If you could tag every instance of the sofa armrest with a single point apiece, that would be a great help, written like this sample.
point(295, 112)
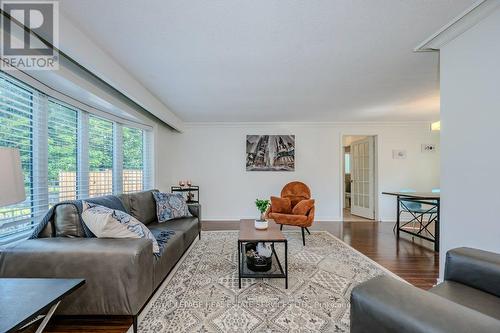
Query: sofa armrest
point(118, 272)
point(384, 304)
point(195, 210)
point(475, 268)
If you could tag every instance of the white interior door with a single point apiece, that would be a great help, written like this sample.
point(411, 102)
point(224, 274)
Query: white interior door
point(362, 180)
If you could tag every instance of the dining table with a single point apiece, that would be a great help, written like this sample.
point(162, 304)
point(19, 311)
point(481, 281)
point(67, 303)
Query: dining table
point(424, 218)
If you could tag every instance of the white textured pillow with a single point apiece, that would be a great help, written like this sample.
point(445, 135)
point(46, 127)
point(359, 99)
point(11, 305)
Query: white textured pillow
point(105, 222)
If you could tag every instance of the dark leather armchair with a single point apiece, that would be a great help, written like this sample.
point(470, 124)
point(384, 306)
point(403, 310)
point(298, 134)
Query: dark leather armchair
point(467, 301)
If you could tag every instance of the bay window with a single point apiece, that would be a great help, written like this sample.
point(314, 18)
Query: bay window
point(66, 153)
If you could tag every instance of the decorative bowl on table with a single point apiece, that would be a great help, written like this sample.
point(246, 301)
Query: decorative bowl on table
point(256, 262)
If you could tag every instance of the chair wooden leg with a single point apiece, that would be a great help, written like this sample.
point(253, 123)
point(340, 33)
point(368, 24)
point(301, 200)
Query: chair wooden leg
point(303, 237)
point(308, 232)
point(281, 226)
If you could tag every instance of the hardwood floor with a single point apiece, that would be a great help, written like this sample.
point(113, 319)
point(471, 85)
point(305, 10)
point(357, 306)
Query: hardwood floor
point(348, 217)
point(414, 261)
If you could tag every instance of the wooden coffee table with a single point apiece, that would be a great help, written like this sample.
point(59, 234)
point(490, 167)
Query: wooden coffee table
point(272, 235)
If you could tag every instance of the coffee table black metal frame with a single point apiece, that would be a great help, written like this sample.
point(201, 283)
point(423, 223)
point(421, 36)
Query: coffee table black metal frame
point(242, 261)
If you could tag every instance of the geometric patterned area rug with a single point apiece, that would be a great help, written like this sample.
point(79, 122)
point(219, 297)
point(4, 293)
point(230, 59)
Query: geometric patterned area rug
point(201, 294)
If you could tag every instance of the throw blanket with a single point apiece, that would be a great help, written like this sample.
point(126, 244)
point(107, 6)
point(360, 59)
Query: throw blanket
point(162, 237)
point(50, 214)
point(109, 201)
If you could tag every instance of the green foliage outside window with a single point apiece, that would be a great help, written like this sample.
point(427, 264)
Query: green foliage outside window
point(62, 139)
point(132, 149)
point(100, 144)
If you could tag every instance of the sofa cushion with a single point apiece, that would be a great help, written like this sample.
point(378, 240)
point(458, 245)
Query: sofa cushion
point(67, 221)
point(170, 206)
point(281, 205)
point(172, 252)
point(472, 298)
point(475, 268)
point(108, 223)
point(186, 231)
point(140, 205)
point(303, 207)
point(187, 227)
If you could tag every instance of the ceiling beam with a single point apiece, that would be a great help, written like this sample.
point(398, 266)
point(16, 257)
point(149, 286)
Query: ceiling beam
point(469, 18)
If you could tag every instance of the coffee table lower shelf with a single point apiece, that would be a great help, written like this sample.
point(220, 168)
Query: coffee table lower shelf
point(245, 272)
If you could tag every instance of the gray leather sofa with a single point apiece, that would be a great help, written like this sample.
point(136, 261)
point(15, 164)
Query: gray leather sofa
point(467, 301)
point(121, 274)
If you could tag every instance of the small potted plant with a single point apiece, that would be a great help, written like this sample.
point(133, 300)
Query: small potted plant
point(262, 206)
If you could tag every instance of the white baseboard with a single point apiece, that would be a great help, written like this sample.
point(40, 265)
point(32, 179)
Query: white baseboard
point(317, 219)
point(225, 219)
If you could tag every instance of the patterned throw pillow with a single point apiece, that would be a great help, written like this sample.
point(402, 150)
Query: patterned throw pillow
point(170, 206)
point(105, 222)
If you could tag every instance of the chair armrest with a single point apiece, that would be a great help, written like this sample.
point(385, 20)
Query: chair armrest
point(195, 210)
point(475, 268)
point(118, 272)
point(384, 304)
point(310, 215)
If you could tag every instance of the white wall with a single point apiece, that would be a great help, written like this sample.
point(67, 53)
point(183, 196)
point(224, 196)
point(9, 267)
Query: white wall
point(213, 157)
point(470, 134)
point(164, 161)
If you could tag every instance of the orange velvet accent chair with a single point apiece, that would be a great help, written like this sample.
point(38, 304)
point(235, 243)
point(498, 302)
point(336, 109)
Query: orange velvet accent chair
point(296, 192)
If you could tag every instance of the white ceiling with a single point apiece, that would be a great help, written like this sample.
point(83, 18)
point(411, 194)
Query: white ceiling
point(271, 60)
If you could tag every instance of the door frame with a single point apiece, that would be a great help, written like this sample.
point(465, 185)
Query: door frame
point(375, 172)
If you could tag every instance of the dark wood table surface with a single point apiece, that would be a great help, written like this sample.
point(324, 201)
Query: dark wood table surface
point(248, 233)
point(22, 300)
point(416, 195)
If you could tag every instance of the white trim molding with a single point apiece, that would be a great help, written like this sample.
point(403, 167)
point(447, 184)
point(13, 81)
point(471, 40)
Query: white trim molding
point(304, 124)
point(469, 18)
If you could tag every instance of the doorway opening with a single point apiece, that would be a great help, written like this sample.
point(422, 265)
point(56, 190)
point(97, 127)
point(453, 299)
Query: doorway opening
point(359, 160)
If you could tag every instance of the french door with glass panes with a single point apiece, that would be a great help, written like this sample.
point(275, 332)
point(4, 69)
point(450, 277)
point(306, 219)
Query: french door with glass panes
point(362, 187)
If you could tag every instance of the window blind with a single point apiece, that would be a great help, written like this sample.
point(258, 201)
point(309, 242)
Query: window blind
point(62, 152)
point(17, 103)
point(133, 160)
point(66, 154)
point(100, 177)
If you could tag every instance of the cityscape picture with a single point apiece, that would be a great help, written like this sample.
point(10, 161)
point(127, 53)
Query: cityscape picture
point(270, 153)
